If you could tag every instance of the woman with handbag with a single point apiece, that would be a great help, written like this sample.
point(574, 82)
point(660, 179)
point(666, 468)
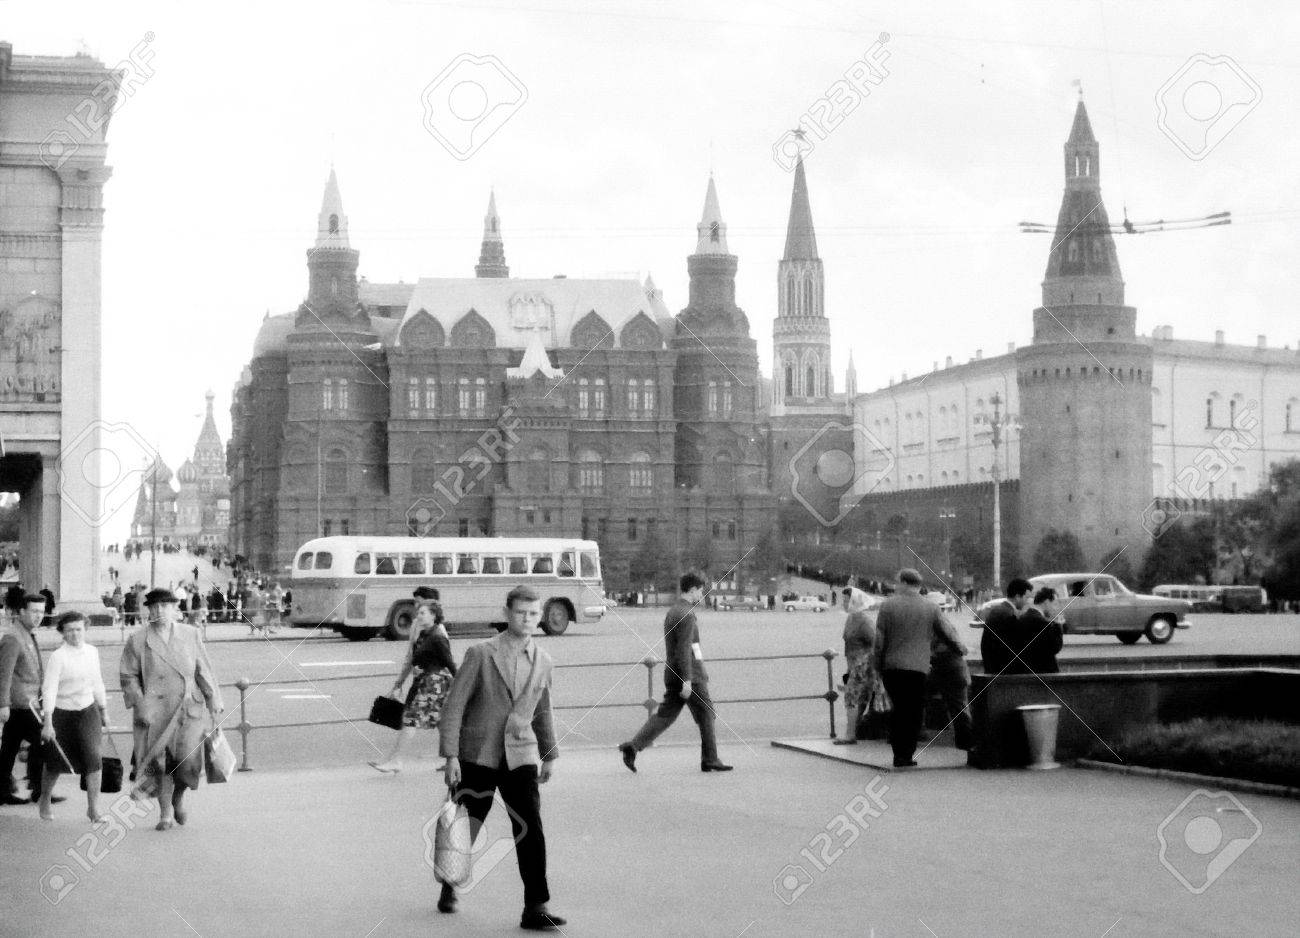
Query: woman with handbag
point(429, 658)
point(75, 713)
point(864, 691)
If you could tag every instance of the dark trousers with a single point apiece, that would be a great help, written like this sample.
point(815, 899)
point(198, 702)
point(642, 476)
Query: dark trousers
point(22, 725)
point(950, 680)
point(701, 707)
point(518, 789)
point(907, 693)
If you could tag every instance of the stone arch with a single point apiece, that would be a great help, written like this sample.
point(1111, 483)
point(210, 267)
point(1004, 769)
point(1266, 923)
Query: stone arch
point(591, 332)
point(423, 331)
point(641, 332)
point(473, 331)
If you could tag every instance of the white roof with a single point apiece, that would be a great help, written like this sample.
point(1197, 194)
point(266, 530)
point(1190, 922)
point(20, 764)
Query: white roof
point(517, 307)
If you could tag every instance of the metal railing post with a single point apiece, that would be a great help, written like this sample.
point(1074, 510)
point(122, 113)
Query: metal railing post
point(650, 701)
point(831, 696)
point(244, 726)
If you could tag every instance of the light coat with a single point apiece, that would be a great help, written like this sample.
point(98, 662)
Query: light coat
point(484, 722)
point(171, 687)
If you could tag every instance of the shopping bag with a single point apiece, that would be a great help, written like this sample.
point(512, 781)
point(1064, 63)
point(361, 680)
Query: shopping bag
point(218, 758)
point(387, 712)
point(453, 847)
point(110, 770)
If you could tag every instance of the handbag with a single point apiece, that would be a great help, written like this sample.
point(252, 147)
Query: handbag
point(218, 758)
point(110, 770)
point(453, 847)
point(386, 711)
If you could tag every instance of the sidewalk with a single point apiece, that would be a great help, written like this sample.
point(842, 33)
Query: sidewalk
point(788, 844)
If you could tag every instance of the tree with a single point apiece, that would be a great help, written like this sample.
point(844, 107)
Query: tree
point(654, 564)
point(1118, 563)
point(1184, 553)
point(1283, 574)
point(766, 559)
point(1058, 552)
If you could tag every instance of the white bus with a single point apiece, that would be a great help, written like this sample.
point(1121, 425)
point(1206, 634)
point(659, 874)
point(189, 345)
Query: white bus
point(362, 586)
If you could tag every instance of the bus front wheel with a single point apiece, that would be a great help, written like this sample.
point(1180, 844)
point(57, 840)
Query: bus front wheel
point(399, 623)
point(556, 618)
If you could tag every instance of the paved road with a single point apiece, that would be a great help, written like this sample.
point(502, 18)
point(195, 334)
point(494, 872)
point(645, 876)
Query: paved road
point(301, 676)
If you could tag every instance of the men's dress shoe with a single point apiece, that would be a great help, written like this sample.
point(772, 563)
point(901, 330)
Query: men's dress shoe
point(629, 755)
point(539, 919)
point(715, 767)
point(15, 800)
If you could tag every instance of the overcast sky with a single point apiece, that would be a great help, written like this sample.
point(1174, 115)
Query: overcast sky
point(221, 158)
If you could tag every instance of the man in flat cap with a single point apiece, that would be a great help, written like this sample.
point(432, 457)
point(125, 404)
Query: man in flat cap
point(907, 626)
point(168, 681)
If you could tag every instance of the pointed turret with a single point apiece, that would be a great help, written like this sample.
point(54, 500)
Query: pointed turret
point(800, 239)
point(1082, 266)
point(492, 255)
point(712, 229)
point(332, 227)
point(851, 379)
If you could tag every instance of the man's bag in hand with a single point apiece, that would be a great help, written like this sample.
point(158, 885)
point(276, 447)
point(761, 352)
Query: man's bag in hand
point(453, 847)
point(387, 712)
point(218, 758)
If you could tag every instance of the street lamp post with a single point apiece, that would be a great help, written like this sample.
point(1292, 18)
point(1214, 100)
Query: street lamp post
point(996, 423)
point(946, 514)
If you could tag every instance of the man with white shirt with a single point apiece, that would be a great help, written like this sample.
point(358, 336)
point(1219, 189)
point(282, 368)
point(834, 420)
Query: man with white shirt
point(498, 733)
point(686, 683)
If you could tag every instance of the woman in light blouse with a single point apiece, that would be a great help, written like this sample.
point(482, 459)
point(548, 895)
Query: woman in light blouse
point(76, 712)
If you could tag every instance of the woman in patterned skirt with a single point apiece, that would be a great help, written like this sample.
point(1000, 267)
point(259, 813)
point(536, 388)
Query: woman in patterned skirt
point(428, 657)
point(864, 691)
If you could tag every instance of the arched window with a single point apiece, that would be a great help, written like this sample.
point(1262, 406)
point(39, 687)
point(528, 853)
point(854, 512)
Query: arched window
point(480, 397)
point(1072, 251)
point(1209, 411)
point(591, 473)
point(810, 382)
point(431, 395)
point(633, 396)
point(413, 396)
point(464, 400)
point(726, 398)
point(584, 397)
point(343, 394)
point(789, 381)
point(327, 394)
point(724, 474)
point(789, 297)
point(538, 471)
point(334, 224)
point(598, 398)
point(713, 397)
point(715, 232)
point(648, 397)
point(642, 474)
point(336, 472)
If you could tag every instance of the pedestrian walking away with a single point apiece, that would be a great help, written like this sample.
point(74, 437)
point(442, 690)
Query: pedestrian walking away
point(686, 682)
point(429, 659)
point(498, 733)
point(168, 681)
point(865, 700)
point(906, 628)
point(75, 714)
point(950, 679)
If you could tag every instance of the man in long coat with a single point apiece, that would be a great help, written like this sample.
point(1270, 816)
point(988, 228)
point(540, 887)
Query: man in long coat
point(168, 681)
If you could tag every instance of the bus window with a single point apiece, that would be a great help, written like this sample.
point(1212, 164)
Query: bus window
point(589, 566)
point(543, 563)
point(304, 561)
point(518, 564)
point(566, 564)
point(385, 564)
point(324, 560)
point(466, 563)
point(493, 565)
point(440, 564)
point(362, 564)
point(413, 564)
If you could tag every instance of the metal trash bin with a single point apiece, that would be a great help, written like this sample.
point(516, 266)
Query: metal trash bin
point(1040, 731)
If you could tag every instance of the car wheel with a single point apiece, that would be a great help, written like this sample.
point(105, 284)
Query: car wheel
point(1129, 638)
point(789, 608)
point(1159, 631)
point(555, 618)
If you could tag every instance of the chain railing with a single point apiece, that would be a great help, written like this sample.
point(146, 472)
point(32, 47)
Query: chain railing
point(245, 726)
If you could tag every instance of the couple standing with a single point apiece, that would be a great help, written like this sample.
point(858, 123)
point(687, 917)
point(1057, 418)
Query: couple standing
point(1021, 634)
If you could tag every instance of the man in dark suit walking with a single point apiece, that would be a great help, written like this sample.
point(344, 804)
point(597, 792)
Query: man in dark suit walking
point(906, 628)
point(686, 683)
point(498, 733)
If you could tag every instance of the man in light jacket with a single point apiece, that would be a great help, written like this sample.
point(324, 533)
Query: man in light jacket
point(906, 627)
point(498, 733)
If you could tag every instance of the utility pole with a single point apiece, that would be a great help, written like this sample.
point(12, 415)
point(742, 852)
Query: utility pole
point(996, 423)
point(153, 523)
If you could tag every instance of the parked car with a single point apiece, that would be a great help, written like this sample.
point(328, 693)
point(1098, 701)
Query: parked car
point(806, 604)
point(1099, 604)
point(741, 602)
